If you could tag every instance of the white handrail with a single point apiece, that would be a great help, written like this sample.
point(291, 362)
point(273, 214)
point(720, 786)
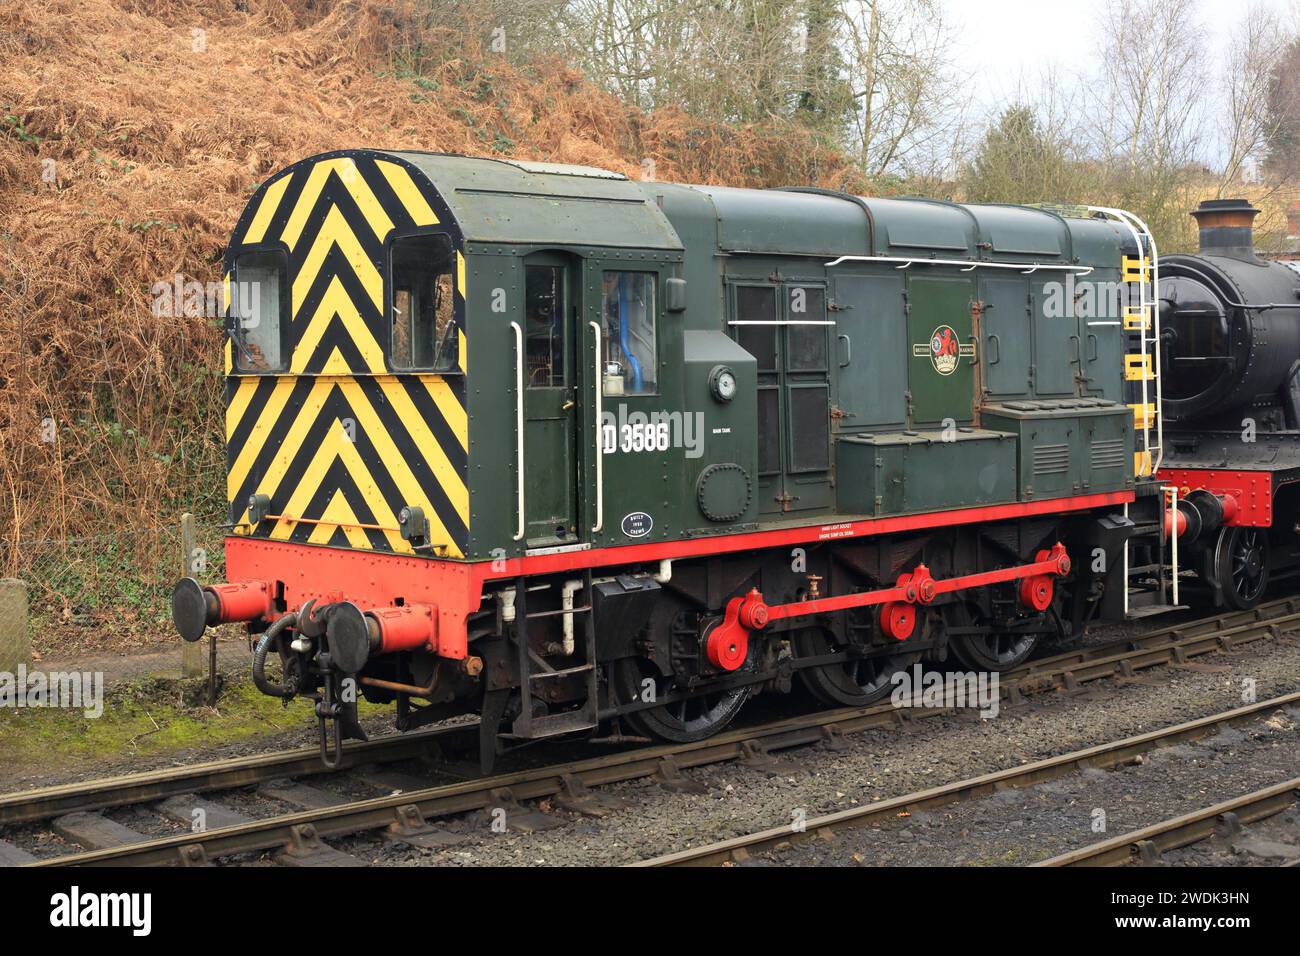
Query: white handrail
point(968, 265)
point(1150, 310)
point(519, 426)
point(1173, 533)
point(600, 434)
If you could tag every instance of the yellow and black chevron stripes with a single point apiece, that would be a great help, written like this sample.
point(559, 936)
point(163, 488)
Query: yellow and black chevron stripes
point(336, 304)
point(314, 444)
point(341, 444)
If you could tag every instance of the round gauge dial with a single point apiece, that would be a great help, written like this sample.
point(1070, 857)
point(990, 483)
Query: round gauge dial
point(722, 382)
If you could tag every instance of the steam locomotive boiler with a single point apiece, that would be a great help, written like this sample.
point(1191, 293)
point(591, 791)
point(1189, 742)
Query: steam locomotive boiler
point(1230, 350)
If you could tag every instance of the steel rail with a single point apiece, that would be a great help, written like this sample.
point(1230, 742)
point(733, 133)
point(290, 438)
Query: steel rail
point(1173, 644)
point(1100, 756)
point(27, 806)
point(1180, 831)
point(541, 782)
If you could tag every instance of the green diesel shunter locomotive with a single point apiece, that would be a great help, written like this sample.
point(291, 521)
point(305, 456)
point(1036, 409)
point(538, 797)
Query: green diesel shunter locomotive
point(568, 450)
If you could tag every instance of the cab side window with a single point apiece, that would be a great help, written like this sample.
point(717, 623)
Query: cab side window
point(628, 307)
point(423, 308)
point(544, 325)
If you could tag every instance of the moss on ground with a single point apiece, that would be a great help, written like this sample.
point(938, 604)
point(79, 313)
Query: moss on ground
point(149, 716)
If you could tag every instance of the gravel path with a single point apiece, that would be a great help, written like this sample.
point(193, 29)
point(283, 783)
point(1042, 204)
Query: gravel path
point(1034, 823)
point(880, 764)
point(1269, 842)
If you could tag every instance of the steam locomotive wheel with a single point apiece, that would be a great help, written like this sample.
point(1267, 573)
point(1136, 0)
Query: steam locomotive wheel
point(683, 721)
point(1241, 565)
point(852, 683)
point(994, 650)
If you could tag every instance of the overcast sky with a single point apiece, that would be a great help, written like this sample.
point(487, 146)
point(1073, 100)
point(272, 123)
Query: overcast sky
point(1004, 42)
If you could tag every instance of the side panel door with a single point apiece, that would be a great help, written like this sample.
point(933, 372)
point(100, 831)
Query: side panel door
point(787, 331)
point(871, 338)
point(1005, 334)
point(1101, 352)
point(755, 329)
point(941, 361)
point(1053, 344)
point(805, 373)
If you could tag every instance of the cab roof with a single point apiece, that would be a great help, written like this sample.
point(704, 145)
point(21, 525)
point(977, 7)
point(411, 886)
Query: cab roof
point(516, 202)
point(507, 201)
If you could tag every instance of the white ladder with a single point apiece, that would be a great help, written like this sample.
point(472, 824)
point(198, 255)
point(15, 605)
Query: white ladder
point(1142, 275)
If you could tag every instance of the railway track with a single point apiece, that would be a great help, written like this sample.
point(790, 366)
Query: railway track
point(1186, 828)
point(1146, 845)
point(404, 816)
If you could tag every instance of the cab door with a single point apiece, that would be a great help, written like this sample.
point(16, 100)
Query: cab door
point(550, 404)
point(628, 445)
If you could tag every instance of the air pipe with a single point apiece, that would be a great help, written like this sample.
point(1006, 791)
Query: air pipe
point(264, 684)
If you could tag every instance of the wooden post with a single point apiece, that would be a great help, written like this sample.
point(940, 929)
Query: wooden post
point(15, 640)
point(192, 656)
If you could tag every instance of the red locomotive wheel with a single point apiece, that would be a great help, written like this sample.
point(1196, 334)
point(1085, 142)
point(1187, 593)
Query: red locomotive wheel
point(898, 620)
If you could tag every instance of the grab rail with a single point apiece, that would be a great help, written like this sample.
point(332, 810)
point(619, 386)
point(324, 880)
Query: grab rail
point(600, 435)
point(519, 426)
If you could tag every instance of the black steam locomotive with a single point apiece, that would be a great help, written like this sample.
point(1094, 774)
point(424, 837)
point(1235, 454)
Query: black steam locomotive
point(1230, 352)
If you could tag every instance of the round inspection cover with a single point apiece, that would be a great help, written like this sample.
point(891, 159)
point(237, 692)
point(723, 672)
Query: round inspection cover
point(348, 637)
point(190, 609)
point(723, 492)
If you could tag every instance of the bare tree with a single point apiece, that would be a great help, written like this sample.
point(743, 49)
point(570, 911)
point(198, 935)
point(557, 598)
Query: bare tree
point(909, 104)
point(1148, 122)
point(1154, 62)
point(1257, 49)
point(871, 75)
point(728, 60)
point(1284, 116)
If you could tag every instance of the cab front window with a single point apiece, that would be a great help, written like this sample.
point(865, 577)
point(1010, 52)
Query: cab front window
point(255, 317)
point(424, 335)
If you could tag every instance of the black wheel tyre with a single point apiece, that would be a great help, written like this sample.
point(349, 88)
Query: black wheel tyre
point(686, 721)
point(1241, 566)
point(854, 683)
point(996, 651)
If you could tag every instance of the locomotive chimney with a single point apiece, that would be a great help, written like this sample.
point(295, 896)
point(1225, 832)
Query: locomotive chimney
point(1227, 228)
